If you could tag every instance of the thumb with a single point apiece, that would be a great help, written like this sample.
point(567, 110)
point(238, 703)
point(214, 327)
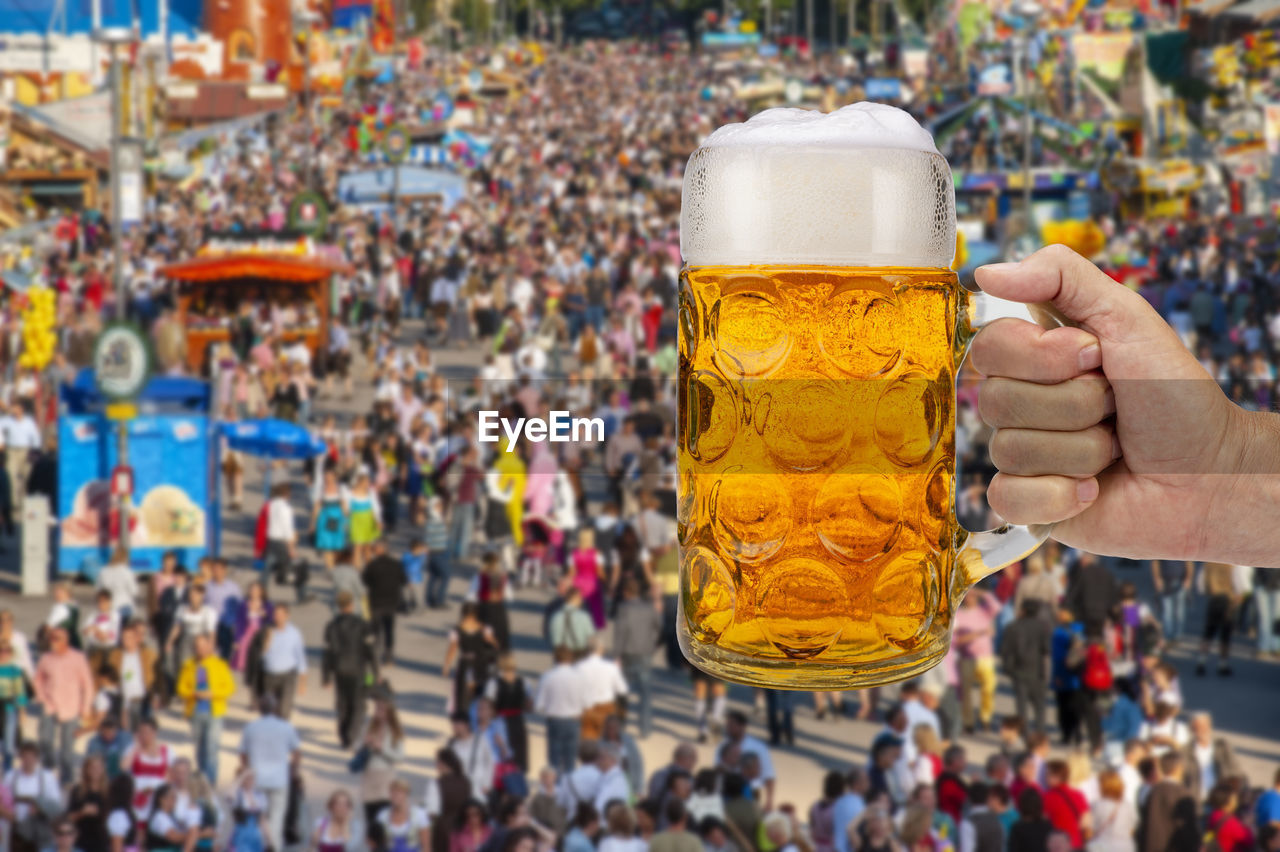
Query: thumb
point(1081, 291)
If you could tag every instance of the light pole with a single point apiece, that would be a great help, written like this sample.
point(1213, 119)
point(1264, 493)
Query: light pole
point(303, 22)
point(115, 38)
point(1029, 11)
point(808, 27)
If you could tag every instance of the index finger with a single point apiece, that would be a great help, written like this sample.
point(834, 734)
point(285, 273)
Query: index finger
point(1017, 349)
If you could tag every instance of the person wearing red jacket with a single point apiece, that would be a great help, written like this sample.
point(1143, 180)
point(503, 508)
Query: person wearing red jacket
point(1065, 806)
point(1223, 826)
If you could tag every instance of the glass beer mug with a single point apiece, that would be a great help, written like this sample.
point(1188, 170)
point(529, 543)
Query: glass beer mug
point(820, 331)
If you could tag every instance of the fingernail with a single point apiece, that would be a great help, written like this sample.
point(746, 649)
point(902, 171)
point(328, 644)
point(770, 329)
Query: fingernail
point(1004, 266)
point(1087, 490)
point(1090, 357)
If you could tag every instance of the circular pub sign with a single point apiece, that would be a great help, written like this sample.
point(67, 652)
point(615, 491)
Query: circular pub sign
point(395, 144)
point(121, 362)
point(308, 212)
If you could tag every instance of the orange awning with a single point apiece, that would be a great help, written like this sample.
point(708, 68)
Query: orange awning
point(298, 270)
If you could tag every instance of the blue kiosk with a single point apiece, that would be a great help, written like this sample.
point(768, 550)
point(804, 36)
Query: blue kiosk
point(172, 464)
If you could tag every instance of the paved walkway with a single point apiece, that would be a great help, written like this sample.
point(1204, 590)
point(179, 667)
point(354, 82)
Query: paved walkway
point(1244, 707)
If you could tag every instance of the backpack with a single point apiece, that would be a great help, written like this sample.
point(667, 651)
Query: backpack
point(1097, 669)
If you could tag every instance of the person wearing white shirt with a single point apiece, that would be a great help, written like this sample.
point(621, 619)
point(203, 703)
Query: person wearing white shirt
point(603, 684)
point(21, 430)
point(1114, 819)
point(193, 619)
point(1134, 752)
point(298, 353)
point(101, 630)
point(282, 534)
point(561, 698)
point(118, 579)
point(920, 704)
point(29, 782)
point(475, 754)
point(613, 780)
point(21, 438)
point(407, 407)
point(1165, 732)
point(522, 293)
point(582, 785)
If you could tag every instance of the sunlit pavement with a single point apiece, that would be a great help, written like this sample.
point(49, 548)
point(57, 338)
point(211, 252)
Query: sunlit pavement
point(1244, 706)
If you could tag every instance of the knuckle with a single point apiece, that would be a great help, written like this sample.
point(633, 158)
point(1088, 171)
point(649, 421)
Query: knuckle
point(989, 352)
point(1008, 450)
point(1008, 496)
point(983, 352)
point(1060, 254)
point(1092, 389)
point(1099, 438)
point(1029, 499)
point(993, 402)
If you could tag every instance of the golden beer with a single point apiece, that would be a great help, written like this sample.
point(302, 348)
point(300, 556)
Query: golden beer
point(817, 454)
point(820, 332)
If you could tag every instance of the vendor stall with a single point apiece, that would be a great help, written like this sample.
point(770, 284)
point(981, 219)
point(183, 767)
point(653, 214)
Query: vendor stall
point(290, 292)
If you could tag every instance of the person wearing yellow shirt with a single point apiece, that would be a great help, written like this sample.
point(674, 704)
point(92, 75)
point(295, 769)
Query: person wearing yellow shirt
point(204, 684)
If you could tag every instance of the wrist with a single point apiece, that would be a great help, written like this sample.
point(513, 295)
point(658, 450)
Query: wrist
point(1247, 499)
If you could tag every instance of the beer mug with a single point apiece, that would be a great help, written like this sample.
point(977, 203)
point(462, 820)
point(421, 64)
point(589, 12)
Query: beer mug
point(820, 331)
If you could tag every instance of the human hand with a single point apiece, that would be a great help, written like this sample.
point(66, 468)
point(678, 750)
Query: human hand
point(1173, 477)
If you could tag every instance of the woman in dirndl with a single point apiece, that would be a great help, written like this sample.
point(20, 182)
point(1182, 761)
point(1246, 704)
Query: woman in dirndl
point(365, 516)
point(331, 518)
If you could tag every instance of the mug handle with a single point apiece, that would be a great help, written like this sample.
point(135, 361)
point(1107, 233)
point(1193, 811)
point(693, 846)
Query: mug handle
point(983, 553)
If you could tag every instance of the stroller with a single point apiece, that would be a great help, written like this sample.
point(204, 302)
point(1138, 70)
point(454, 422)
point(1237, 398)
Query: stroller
point(538, 554)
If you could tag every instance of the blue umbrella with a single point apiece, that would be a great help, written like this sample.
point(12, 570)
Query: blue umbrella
point(272, 439)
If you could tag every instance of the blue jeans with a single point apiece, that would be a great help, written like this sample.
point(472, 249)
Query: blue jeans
point(562, 743)
point(1173, 612)
point(594, 316)
point(206, 733)
point(437, 579)
point(412, 306)
point(639, 676)
point(573, 322)
point(461, 524)
point(63, 756)
point(1268, 603)
point(11, 712)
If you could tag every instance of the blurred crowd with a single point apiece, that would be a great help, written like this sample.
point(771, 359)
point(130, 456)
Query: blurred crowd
point(562, 268)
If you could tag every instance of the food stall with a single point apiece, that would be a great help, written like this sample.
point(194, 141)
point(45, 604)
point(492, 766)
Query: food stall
point(286, 286)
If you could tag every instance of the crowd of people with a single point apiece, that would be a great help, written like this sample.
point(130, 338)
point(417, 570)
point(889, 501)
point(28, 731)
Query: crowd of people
point(562, 269)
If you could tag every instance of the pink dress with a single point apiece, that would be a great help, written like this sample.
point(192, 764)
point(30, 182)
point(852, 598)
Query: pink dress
point(539, 491)
point(254, 624)
point(586, 577)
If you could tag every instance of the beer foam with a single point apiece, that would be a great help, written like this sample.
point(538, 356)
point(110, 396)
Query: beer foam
point(860, 125)
point(862, 186)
